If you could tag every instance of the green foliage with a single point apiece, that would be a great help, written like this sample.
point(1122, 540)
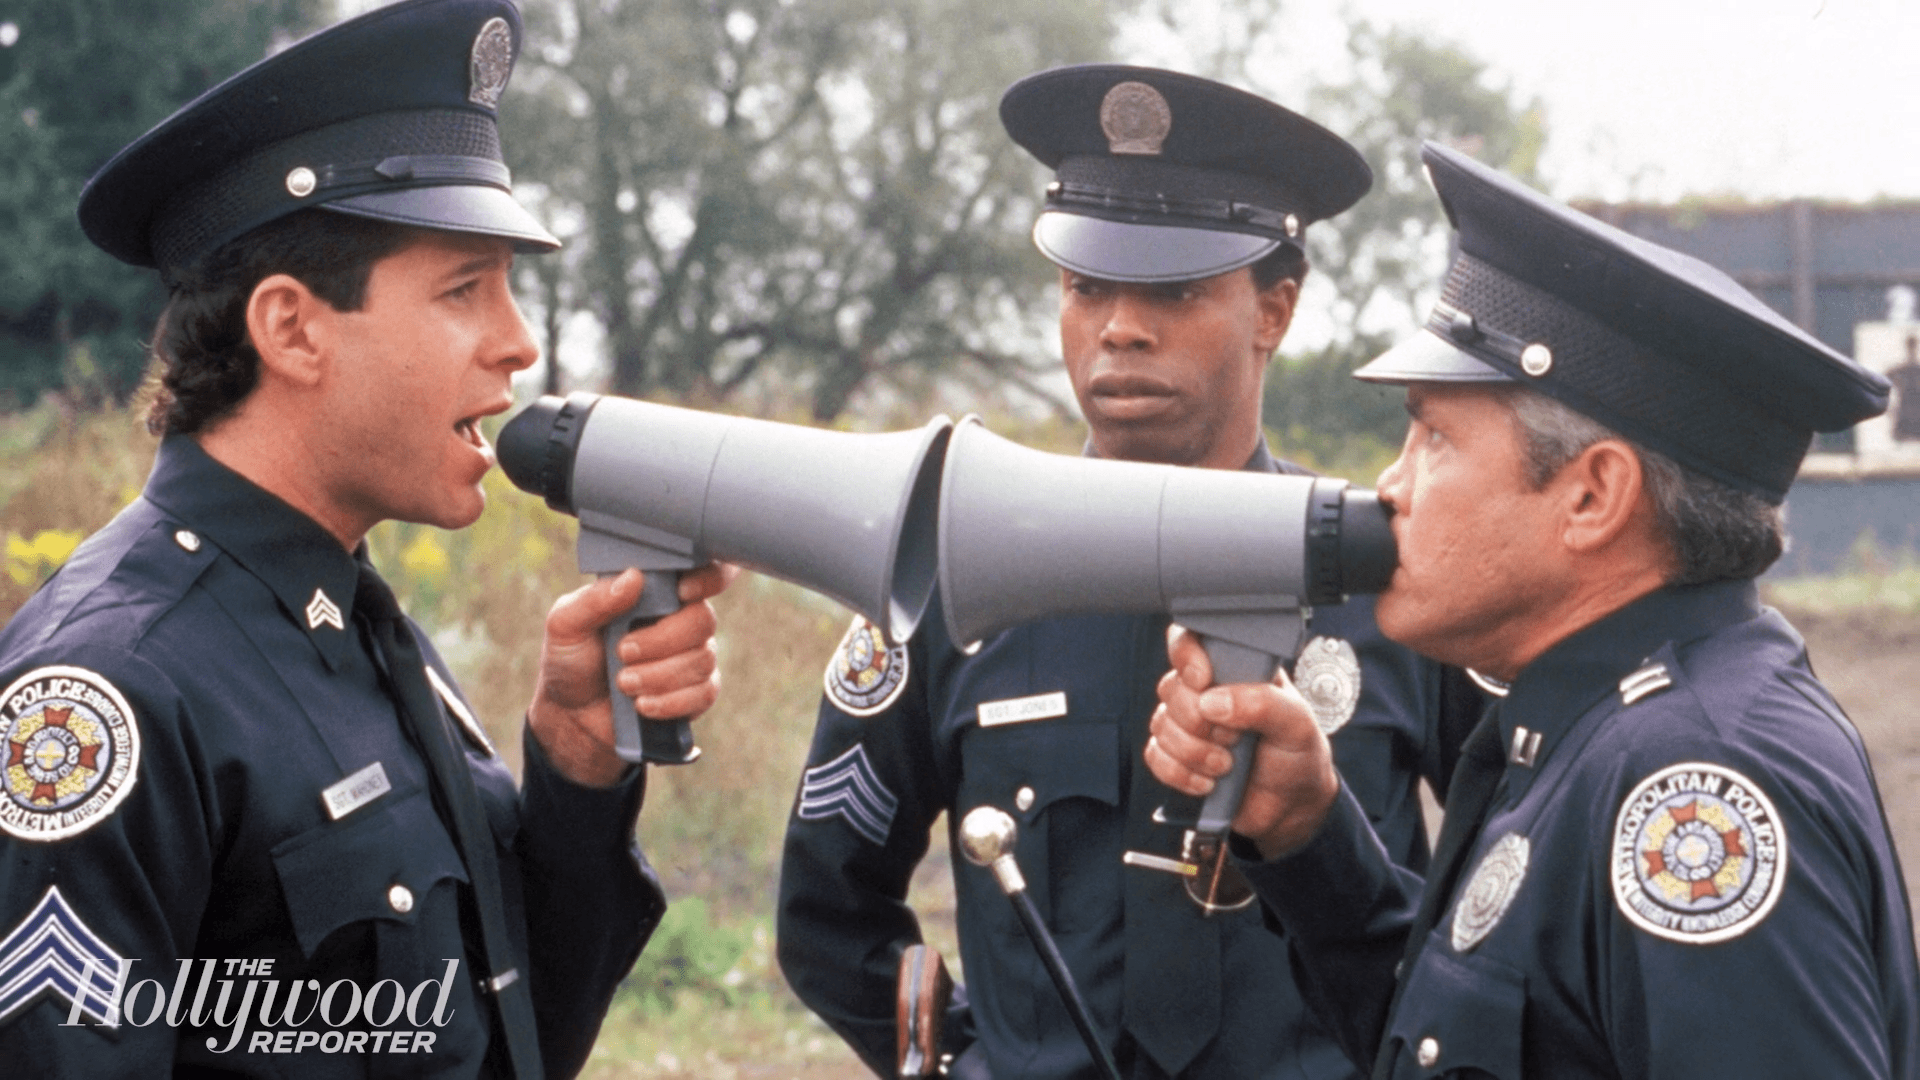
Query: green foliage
point(84, 78)
point(815, 197)
point(1407, 88)
point(690, 955)
point(1326, 419)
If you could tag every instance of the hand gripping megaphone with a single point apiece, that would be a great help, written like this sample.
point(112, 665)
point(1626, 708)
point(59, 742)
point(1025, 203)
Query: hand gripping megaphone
point(1238, 557)
point(665, 489)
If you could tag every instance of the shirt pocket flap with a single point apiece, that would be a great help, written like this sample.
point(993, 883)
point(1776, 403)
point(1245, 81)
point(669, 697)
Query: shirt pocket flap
point(1056, 762)
point(352, 870)
point(1460, 1012)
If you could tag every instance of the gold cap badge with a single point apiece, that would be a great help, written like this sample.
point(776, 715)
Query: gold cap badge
point(1136, 119)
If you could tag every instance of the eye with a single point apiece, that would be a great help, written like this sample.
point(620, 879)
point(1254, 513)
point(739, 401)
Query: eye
point(465, 290)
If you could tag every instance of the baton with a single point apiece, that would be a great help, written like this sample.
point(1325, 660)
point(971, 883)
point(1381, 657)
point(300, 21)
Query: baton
point(986, 835)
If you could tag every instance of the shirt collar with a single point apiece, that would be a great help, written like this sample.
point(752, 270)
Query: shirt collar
point(1261, 461)
point(1551, 694)
point(304, 565)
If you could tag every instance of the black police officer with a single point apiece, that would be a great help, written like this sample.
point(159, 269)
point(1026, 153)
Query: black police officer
point(1176, 219)
point(248, 824)
point(1664, 853)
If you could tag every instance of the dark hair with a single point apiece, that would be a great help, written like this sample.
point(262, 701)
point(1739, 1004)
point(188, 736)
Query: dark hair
point(1715, 533)
point(204, 363)
point(1285, 261)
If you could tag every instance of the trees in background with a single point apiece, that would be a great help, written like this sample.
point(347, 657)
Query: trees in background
point(818, 196)
point(1383, 256)
point(764, 201)
point(78, 80)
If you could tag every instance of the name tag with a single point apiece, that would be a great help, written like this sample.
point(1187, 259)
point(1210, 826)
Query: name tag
point(1021, 709)
point(356, 790)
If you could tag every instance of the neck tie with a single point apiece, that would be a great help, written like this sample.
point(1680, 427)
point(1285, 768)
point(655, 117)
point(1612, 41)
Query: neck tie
point(1469, 794)
point(459, 803)
point(1172, 981)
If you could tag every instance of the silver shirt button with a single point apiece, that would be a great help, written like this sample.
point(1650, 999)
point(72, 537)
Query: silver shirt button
point(186, 539)
point(400, 898)
point(1429, 1052)
point(1023, 799)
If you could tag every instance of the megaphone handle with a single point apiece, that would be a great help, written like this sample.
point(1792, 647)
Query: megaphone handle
point(1232, 663)
point(663, 742)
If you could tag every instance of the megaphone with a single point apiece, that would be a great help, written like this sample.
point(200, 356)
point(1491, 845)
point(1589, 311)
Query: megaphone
point(665, 489)
point(1238, 557)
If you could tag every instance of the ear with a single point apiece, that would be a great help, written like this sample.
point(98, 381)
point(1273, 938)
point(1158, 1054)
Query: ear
point(288, 326)
point(1275, 309)
point(1602, 493)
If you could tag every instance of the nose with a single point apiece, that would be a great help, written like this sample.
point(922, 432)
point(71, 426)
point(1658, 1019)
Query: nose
point(517, 350)
point(1129, 325)
point(1392, 485)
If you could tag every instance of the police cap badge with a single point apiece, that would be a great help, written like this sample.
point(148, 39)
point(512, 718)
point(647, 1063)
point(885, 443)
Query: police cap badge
point(1161, 176)
point(388, 116)
point(1658, 346)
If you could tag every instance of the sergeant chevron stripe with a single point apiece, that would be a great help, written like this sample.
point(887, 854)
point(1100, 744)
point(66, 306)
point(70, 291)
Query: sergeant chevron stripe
point(52, 951)
point(847, 787)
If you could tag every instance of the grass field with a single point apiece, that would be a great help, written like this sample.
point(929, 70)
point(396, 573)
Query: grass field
point(707, 1000)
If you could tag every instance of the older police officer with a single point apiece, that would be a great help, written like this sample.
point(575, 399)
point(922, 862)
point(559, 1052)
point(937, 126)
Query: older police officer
point(248, 824)
point(1664, 852)
point(1177, 219)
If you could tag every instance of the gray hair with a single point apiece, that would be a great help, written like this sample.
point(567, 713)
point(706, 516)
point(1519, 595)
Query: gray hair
point(1715, 532)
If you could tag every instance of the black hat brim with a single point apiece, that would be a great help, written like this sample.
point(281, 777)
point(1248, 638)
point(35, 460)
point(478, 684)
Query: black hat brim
point(1142, 253)
point(463, 208)
point(1425, 357)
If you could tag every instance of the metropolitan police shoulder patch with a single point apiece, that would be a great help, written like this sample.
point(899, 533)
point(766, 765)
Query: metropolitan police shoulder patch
point(71, 752)
point(1328, 676)
point(867, 673)
point(1699, 855)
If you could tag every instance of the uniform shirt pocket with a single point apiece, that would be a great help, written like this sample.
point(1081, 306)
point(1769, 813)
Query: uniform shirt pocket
point(1061, 783)
point(1459, 1017)
point(379, 863)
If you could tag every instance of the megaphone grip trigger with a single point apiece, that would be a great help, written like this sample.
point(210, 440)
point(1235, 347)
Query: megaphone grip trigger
point(635, 738)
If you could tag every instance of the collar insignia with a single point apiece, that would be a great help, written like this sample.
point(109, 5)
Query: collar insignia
point(322, 610)
point(1525, 748)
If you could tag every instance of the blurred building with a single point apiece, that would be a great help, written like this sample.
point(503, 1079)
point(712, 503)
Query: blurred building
point(1849, 274)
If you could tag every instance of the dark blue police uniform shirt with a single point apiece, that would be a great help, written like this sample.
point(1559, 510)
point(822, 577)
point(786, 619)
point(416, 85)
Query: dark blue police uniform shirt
point(206, 638)
point(877, 782)
point(1693, 876)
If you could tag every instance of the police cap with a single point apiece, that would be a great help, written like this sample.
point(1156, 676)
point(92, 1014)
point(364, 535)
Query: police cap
point(1168, 177)
point(1658, 346)
point(390, 115)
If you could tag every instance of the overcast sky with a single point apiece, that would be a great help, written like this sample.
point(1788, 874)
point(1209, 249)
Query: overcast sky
point(1657, 99)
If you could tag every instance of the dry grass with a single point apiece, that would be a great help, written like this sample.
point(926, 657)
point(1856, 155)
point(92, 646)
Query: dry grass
point(714, 829)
